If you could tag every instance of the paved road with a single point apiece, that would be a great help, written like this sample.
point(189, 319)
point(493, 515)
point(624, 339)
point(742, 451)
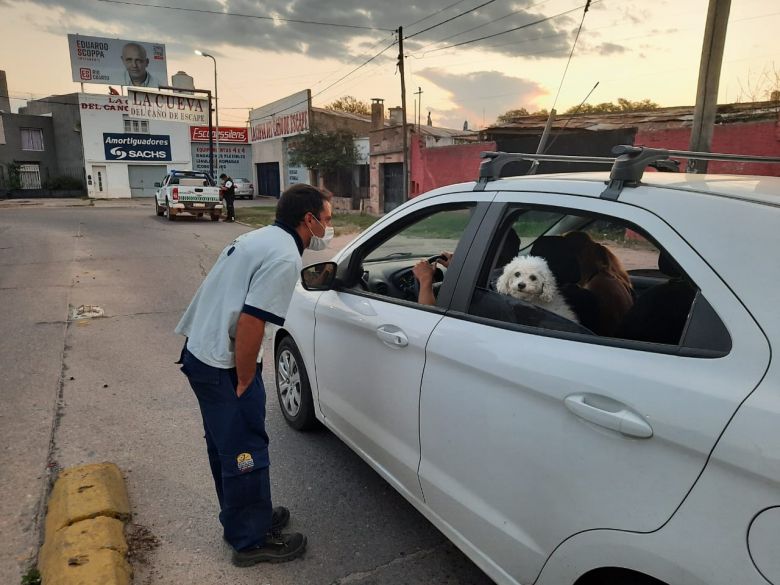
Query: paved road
point(107, 390)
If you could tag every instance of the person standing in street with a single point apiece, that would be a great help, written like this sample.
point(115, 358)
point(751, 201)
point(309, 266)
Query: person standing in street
point(250, 284)
point(228, 191)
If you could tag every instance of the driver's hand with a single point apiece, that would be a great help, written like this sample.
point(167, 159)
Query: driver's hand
point(423, 271)
point(446, 260)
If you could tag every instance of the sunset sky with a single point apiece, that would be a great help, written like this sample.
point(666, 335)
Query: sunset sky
point(634, 49)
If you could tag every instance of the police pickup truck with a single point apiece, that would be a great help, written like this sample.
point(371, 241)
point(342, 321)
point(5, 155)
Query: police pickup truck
point(190, 192)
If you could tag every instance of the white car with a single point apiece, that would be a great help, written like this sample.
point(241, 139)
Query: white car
point(244, 189)
point(548, 453)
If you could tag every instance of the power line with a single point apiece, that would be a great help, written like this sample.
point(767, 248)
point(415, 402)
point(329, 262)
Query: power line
point(571, 53)
point(473, 28)
point(529, 24)
point(339, 80)
point(372, 48)
point(256, 16)
point(450, 19)
point(434, 13)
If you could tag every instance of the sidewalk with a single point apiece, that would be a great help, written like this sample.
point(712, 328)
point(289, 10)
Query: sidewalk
point(82, 202)
point(64, 202)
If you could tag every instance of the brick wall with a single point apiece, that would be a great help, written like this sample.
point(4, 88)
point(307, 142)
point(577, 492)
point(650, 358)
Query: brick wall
point(443, 165)
point(758, 138)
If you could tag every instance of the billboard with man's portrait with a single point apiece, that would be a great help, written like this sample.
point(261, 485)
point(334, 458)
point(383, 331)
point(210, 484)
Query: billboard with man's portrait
point(117, 61)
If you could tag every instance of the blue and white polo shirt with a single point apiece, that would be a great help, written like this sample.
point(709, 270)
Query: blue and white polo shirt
point(255, 274)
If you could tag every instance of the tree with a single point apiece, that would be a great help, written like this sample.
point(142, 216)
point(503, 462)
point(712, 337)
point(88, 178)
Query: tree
point(622, 105)
point(351, 105)
point(327, 152)
point(761, 86)
point(513, 115)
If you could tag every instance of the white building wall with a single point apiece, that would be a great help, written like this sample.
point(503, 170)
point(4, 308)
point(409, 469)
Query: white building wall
point(106, 114)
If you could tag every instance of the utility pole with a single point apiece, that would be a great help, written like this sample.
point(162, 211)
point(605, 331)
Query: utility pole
point(403, 108)
point(709, 80)
point(418, 93)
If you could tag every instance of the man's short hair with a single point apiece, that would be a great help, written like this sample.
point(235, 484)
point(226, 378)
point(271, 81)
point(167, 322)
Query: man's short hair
point(223, 176)
point(297, 201)
point(137, 46)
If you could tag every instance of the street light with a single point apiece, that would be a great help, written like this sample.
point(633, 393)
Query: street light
point(216, 104)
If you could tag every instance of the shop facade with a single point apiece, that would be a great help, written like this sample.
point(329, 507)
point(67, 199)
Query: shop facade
point(270, 129)
point(123, 156)
point(235, 154)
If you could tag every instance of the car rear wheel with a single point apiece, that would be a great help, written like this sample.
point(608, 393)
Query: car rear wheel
point(168, 214)
point(160, 211)
point(292, 387)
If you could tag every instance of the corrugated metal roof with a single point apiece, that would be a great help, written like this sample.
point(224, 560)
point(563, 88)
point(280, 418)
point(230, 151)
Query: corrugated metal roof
point(678, 116)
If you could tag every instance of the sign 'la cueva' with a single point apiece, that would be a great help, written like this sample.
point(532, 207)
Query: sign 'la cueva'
point(167, 106)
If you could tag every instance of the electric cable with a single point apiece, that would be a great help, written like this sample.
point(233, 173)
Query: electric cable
point(479, 26)
point(571, 53)
point(449, 19)
point(339, 80)
point(418, 21)
point(529, 24)
point(256, 16)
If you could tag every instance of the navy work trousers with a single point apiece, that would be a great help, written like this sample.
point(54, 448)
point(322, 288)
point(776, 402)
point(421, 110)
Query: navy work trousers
point(237, 446)
point(230, 210)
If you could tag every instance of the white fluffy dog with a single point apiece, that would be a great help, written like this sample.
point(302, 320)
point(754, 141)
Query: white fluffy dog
point(530, 279)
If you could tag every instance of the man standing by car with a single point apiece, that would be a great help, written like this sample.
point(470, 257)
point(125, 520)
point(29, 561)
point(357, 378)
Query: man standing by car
point(228, 191)
point(250, 284)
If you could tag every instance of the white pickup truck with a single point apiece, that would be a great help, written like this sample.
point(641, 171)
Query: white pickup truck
point(191, 192)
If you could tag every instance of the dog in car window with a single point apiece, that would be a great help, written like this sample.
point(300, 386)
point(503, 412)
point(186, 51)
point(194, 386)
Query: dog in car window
point(529, 279)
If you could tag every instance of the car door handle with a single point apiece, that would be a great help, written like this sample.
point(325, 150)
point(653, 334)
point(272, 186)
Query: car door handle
point(392, 336)
point(608, 413)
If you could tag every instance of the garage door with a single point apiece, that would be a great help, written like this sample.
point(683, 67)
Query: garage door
point(143, 178)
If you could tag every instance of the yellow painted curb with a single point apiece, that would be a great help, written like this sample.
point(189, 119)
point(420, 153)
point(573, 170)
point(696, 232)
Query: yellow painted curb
point(84, 536)
point(89, 552)
point(84, 492)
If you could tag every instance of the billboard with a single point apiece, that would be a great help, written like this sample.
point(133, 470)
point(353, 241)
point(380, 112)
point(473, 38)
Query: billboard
point(170, 107)
point(226, 134)
point(137, 147)
point(285, 117)
point(117, 61)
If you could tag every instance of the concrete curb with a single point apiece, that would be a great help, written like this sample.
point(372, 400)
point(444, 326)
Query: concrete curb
point(84, 540)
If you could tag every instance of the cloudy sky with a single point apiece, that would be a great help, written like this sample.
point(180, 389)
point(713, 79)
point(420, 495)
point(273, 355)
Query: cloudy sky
point(633, 48)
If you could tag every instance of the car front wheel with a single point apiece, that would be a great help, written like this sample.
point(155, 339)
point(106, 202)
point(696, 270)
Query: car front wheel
point(292, 387)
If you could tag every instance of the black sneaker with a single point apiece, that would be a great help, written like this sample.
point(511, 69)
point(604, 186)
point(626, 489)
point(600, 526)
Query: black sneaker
point(280, 517)
point(278, 548)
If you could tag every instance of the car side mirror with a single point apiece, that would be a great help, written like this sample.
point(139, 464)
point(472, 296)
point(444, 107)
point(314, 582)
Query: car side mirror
point(158, 185)
point(318, 277)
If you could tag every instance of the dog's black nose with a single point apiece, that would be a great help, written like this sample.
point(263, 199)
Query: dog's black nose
point(521, 285)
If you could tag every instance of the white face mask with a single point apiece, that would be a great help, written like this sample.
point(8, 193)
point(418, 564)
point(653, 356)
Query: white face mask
point(320, 243)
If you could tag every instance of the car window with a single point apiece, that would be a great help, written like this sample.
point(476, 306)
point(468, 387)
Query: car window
point(636, 253)
point(599, 277)
point(429, 236)
point(387, 266)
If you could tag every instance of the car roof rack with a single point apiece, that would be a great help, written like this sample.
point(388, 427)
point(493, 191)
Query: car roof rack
point(627, 167)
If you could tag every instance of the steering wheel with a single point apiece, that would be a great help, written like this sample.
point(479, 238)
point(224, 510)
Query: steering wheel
point(416, 285)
